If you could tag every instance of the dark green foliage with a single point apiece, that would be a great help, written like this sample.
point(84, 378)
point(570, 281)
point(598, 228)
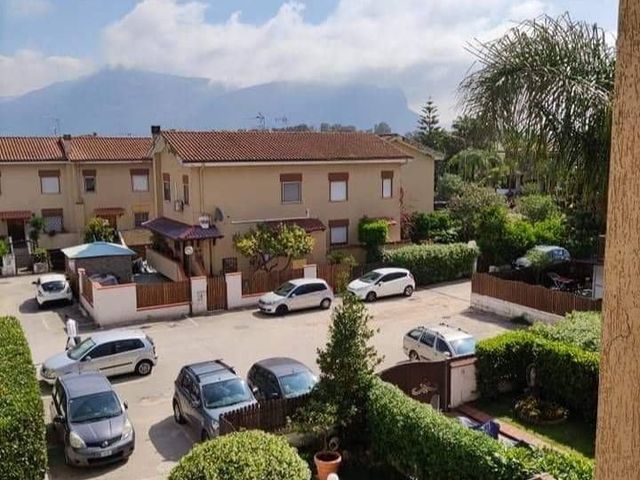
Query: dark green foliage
point(583, 229)
point(469, 205)
point(424, 444)
point(583, 329)
point(537, 207)
point(434, 263)
point(340, 257)
point(99, 230)
point(249, 455)
point(23, 450)
point(551, 231)
point(437, 227)
point(448, 185)
point(36, 227)
point(565, 373)
point(373, 234)
point(40, 255)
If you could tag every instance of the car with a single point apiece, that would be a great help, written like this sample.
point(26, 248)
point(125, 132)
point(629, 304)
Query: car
point(53, 288)
point(438, 343)
point(297, 294)
point(91, 420)
point(113, 353)
point(280, 377)
point(104, 279)
point(383, 282)
point(555, 255)
point(204, 391)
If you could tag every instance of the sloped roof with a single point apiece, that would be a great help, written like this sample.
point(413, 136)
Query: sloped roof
point(97, 249)
point(30, 149)
point(181, 231)
point(95, 148)
point(267, 146)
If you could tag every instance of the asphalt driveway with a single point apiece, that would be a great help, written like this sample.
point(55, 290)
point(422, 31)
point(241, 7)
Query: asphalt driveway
point(240, 338)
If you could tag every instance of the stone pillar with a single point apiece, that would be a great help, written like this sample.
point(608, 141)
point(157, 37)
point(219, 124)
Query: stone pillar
point(618, 429)
point(234, 289)
point(198, 295)
point(311, 271)
point(81, 275)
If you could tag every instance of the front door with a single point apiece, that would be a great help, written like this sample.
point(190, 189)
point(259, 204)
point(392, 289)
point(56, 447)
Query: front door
point(16, 230)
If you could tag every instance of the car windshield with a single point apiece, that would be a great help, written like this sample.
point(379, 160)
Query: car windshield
point(79, 350)
point(225, 393)
point(55, 286)
point(284, 289)
point(370, 277)
point(297, 383)
point(464, 346)
point(91, 408)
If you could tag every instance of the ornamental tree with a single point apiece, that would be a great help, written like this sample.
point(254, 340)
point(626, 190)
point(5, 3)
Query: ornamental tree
point(266, 245)
point(99, 230)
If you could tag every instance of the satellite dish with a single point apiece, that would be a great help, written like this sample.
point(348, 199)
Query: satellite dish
point(188, 250)
point(204, 221)
point(218, 216)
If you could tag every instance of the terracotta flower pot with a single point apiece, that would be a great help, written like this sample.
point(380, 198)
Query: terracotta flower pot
point(326, 463)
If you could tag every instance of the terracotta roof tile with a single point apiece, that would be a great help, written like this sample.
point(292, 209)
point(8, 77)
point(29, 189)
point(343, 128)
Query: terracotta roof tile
point(95, 148)
point(265, 146)
point(30, 149)
point(15, 215)
point(181, 231)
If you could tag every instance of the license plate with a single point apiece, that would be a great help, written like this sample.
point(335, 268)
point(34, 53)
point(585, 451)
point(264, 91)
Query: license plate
point(105, 453)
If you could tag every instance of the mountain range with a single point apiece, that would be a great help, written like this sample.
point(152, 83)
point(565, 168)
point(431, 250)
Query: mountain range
point(127, 102)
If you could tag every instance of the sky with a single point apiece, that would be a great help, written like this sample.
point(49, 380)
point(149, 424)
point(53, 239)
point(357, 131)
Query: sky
point(415, 45)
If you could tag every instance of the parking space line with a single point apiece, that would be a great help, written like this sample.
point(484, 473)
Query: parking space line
point(193, 321)
point(46, 325)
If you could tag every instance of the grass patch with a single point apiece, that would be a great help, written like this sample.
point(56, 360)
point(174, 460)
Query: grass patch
point(573, 435)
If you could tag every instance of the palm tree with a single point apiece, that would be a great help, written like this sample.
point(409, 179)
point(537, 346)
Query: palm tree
point(551, 81)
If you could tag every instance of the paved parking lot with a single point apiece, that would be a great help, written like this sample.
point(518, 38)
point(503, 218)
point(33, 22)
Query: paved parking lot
point(240, 338)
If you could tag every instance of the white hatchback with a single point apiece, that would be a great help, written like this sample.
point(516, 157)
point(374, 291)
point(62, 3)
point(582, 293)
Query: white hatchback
point(383, 282)
point(53, 288)
point(297, 294)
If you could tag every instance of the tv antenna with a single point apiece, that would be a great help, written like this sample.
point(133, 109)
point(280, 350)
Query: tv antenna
point(54, 126)
point(262, 121)
point(284, 120)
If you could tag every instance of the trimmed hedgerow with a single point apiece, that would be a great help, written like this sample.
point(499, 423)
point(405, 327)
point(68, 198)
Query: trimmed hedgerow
point(582, 329)
point(248, 455)
point(434, 263)
point(23, 450)
point(565, 373)
point(424, 444)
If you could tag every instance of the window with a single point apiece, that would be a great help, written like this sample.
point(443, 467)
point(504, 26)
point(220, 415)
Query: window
point(442, 347)
point(393, 276)
point(166, 187)
point(338, 187)
point(128, 345)
point(229, 264)
point(139, 218)
point(140, 180)
point(89, 180)
point(428, 339)
point(338, 232)
point(291, 187)
point(185, 189)
point(53, 221)
point(387, 184)
point(415, 333)
point(49, 181)
point(103, 350)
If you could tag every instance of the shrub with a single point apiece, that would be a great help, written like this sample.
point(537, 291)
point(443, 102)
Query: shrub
point(422, 443)
point(99, 230)
point(468, 206)
point(23, 449)
point(582, 329)
point(448, 186)
point(248, 455)
point(40, 255)
point(373, 234)
point(436, 226)
point(565, 373)
point(434, 263)
point(36, 227)
point(538, 207)
point(339, 257)
point(551, 231)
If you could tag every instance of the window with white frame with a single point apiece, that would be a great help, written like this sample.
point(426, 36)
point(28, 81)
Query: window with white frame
point(53, 220)
point(338, 232)
point(50, 182)
point(387, 184)
point(140, 180)
point(338, 187)
point(291, 187)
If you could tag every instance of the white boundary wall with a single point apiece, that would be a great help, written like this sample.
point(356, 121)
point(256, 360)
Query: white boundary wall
point(511, 310)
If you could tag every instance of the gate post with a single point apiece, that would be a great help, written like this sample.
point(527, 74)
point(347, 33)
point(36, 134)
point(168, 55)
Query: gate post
point(198, 295)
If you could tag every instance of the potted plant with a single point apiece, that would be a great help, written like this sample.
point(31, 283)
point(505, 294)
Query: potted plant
point(40, 260)
point(319, 419)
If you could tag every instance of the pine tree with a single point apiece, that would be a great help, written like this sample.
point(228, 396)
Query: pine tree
point(429, 121)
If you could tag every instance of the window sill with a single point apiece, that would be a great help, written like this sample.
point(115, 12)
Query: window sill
point(291, 203)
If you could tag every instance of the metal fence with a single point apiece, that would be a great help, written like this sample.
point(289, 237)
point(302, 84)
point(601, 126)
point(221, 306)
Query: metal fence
point(169, 293)
point(216, 293)
point(532, 296)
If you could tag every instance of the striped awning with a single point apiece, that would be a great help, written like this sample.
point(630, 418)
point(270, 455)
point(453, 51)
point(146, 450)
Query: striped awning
point(15, 215)
point(109, 211)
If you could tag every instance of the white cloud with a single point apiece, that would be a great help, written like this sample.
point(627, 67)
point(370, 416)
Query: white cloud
point(28, 70)
point(27, 8)
point(415, 44)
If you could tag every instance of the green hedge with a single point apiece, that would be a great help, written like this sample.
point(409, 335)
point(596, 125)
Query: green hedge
point(582, 329)
point(565, 373)
point(433, 263)
point(249, 455)
point(23, 449)
point(422, 443)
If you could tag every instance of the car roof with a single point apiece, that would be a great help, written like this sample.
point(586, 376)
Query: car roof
point(547, 248)
point(117, 334)
point(211, 371)
point(53, 277)
point(306, 281)
point(386, 270)
point(448, 332)
point(281, 366)
point(81, 384)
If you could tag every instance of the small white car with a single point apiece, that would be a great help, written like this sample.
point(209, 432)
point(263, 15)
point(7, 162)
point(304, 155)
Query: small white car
point(383, 282)
point(53, 288)
point(438, 343)
point(297, 294)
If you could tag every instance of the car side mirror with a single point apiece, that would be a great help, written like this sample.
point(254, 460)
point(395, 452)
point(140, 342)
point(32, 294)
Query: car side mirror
point(87, 358)
point(34, 283)
point(125, 405)
point(254, 390)
point(447, 354)
point(274, 396)
point(294, 295)
point(59, 419)
point(378, 284)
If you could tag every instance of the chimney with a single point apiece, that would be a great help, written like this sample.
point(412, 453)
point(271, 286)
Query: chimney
point(155, 130)
point(66, 136)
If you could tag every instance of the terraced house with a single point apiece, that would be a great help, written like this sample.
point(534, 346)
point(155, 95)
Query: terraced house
point(212, 185)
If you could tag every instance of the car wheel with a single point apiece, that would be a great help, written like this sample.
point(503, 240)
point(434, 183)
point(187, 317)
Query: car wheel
point(177, 413)
point(204, 436)
point(371, 297)
point(413, 356)
point(325, 304)
point(144, 367)
point(282, 310)
point(408, 291)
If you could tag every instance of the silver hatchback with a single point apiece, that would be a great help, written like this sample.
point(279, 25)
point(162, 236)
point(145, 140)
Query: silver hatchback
point(297, 294)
